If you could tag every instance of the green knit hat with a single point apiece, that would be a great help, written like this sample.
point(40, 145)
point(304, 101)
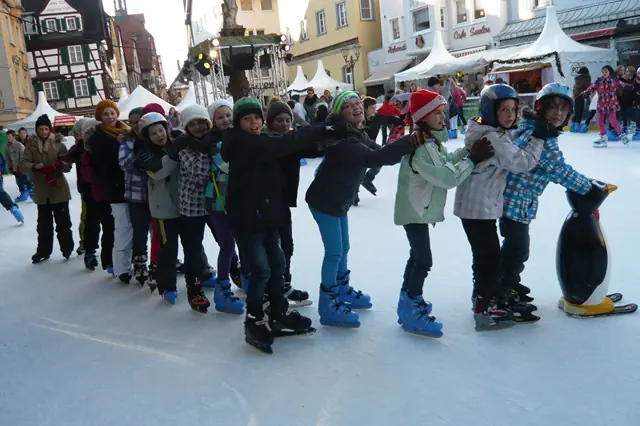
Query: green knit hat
point(246, 106)
point(342, 98)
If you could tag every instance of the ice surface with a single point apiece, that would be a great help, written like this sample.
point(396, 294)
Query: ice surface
point(76, 348)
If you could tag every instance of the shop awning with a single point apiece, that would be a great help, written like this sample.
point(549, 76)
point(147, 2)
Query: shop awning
point(386, 71)
point(467, 52)
point(520, 68)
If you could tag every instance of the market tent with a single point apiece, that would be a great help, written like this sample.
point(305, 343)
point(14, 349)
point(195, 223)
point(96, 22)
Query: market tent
point(139, 98)
point(557, 48)
point(321, 81)
point(300, 83)
point(438, 55)
point(43, 107)
point(386, 72)
point(124, 95)
point(475, 62)
point(189, 99)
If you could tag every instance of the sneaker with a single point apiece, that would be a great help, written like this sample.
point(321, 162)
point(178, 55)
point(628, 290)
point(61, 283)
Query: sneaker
point(17, 214)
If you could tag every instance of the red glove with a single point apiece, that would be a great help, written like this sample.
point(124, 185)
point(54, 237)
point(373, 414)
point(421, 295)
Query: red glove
point(51, 167)
point(51, 179)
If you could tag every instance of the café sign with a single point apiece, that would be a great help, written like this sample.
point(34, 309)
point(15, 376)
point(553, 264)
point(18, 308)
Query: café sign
point(474, 31)
point(397, 48)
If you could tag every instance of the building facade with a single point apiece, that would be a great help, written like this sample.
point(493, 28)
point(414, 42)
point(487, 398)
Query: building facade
point(17, 99)
point(118, 64)
point(328, 27)
point(69, 52)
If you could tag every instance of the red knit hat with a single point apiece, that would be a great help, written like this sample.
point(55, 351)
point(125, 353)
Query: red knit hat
point(423, 102)
point(153, 108)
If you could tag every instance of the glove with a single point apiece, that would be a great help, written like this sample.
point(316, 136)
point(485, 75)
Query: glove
point(480, 151)
point(544, 130)
point(50, 178)
point(142, 161)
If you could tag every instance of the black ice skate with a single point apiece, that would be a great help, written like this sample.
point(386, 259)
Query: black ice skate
point(81, 251)
point(125, 278)
point(292, 324)
point(257, 333)
point(523, 293)
point(153, 284)
point(369, 186)
point(197, 299)
point(39, 258)
point(67, 254)
point(489, 315)
point(296, 298)
point(140, 269)
point(523, 312)
point(90, 261)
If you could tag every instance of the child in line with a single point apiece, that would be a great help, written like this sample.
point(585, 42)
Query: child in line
point(15, 151)
point(51, 191)
point(424, 178)
point(479, 199)
point(553, 107)
point(74, 156)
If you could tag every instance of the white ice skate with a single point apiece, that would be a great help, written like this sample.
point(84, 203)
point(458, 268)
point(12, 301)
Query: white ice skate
point(601, 143)
point(624, 139)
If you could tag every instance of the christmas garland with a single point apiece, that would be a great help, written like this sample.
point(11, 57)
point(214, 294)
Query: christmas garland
point(531, 59)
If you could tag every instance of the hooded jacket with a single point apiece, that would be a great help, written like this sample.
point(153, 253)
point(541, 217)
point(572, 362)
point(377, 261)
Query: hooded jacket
point(47, 152)
point(481, 195)
point(346, 160)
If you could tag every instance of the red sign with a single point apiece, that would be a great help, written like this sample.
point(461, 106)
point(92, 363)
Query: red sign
point(64, 120)
point(395, 49)
point(459, 35)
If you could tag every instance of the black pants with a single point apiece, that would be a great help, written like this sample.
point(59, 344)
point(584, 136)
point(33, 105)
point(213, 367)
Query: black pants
point(629, 114)
point(23, 182)
point(385, 132)
point(580, 105)
point(420, 260)
point(286, 241)
point(99, 216)
point(592, 113)
point(515, 251)
point(140, 217)
point(262, 253)
point(47, 214)
point(461, 115)
point(485, 248)
point(192, 234)
point(169, 230)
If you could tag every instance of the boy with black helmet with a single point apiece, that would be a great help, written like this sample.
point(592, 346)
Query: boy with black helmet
point(479, 200)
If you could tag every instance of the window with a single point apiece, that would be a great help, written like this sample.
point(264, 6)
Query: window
point(259, 32)
point(246, 5)
point(461, 11)
point(341, 14)
point(421, 19)
point(347, 75)
point(478, 9)
point(304, 35)
point(81, 88)
point(266, 4)
point(51, 90)
point(540, 3)
point(395, 29)
point(75, 54)
point(30, 26)
point(321, 22)
point(265, 72)
point(71, 24)
point(366, 10)
point(443, 17)
point(51, 25)
point(11, 40)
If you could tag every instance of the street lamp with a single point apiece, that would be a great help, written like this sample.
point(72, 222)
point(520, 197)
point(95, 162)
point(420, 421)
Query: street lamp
point(351, 59)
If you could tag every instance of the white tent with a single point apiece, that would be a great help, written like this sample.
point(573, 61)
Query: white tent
point(189, 99)
point(438, 55)
point(140, 98)
point(43, 107)
point(124, 95)
point(300, 84)
point(570, 52)
point(321, 81)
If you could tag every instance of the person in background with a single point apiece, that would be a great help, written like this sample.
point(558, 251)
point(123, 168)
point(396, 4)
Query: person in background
point(322, 112)
point(387, 109)
point(328, 97)
point(311, 101)
point(582, 82)
point(458, 98)
point(297, 120)
point(23, 135)
point(14, 152)
point(626, 98)
point(5, 200)
point(173, 118)
point(51, 191)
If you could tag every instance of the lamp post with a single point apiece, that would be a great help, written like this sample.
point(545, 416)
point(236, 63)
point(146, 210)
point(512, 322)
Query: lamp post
point(351, 59)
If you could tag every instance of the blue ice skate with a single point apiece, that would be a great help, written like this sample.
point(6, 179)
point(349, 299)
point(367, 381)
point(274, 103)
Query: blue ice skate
point(24, 196)
point(225, 300)
point(416, 318)
point(572, 126)
point(211, 282)
point(636, 135)
point(15, 211)
point(334, 312)
point(401, 302)
point(110, 271)
point(463, 129)
point(170, 297)
point(353, 298)
point(584, 128)
point(612, 136)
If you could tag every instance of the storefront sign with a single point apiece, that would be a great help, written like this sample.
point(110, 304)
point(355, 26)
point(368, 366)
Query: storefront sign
point(396, 49)
point(459, 35)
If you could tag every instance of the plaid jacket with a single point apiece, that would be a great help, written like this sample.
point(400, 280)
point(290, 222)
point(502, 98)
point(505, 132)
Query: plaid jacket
point(135, 180)
point(523, 189)
point(195, 168)
point(216, 192)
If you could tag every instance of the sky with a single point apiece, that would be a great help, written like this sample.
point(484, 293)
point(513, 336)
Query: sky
point(166, 24)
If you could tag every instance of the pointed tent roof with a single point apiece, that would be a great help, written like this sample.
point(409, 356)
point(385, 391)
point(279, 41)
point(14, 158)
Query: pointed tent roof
point(43, 107)
point(321, 81)
point(300, 84)
point(189, 99)
point(438, 55)
point(124, 95)
point(139, 98)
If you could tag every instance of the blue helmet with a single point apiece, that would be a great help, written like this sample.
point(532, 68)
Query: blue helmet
point(489, 98)
point(555, 89)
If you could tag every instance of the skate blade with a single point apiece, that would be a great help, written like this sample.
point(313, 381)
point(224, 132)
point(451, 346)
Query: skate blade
point(341, 324)
point(259, 346)
point(423, 333)
point(199, 310)
point(301, 304)
point(527, 319)
point(229, 311)
point(615, 297)
point(618, 310)
point(288, 333)
point(497, 326)
point(357, 308)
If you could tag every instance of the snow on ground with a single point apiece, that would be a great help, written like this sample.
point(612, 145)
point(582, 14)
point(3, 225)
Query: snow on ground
point(79, 349)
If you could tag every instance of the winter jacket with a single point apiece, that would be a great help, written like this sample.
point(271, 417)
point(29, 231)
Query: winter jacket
point(13, 156)
point(49, 187)
point(255, 198)
point(309, 105)
point(75, 156)
point(163, 183)
point(192, 156)
point(627, 95)
point(481, 195)
point(388, 109)
point(105, 165)
point(607, 97)
point(523, 189)
point(135, 180)
point(582, 83)
point(423, 180)
point(216, 192)
point(345, 161)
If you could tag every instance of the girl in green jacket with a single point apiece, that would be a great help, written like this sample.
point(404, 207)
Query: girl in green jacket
point(425, 176)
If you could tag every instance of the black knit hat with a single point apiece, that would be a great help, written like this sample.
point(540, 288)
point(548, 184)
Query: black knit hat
point(275, 110)
point(43, 120)
point(433, 81)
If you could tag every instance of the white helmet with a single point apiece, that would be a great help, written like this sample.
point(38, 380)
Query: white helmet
point(151, 118)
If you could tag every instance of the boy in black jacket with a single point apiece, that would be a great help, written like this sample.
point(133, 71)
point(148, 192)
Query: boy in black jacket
point(256, 209)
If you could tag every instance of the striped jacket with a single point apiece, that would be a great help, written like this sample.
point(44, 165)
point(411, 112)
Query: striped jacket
point(523, 189)
point(135, 180)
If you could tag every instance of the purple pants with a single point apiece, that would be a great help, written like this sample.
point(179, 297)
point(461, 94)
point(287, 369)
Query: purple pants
point(227, 243)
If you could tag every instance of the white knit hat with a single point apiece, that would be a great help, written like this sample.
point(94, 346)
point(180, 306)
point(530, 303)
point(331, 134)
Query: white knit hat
point(194, 112)
point(217, 104)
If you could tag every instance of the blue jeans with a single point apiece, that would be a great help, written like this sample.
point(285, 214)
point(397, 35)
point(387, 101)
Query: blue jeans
point(5, 200)
point(335, 238)
point(420, 261)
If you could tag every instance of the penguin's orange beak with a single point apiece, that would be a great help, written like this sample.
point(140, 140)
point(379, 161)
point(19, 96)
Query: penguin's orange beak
point(611, 188)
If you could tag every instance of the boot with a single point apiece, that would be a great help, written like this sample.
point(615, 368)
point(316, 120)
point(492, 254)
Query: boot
point(354, 299)
point(334, 312)
point(401, 301)
point(24, 196)
point(90, 261)
point(584, 128)
point(153, 271)
point(291, 324)
point(140, 271)
point(600, 143)
point(197, 300)
point(39, 258)
point(416, 318)
point(17, 214)
point(489, 315)
point(225, 300)
point(298, 298)
point(257, 332)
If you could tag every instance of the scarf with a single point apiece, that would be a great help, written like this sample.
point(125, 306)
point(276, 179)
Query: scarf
point(114, 132)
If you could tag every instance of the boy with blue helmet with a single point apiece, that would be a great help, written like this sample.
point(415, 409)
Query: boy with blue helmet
point(479, 200)
point(553, 107)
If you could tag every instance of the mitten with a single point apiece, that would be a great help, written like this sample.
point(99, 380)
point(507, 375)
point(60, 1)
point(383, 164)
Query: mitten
point(480, 151)
point(50, 178)
point(47, 168)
